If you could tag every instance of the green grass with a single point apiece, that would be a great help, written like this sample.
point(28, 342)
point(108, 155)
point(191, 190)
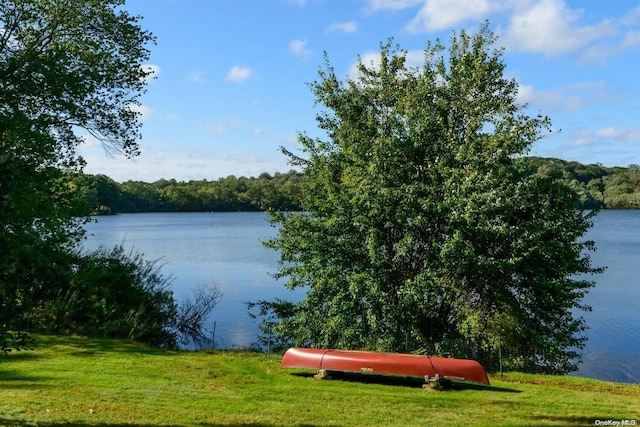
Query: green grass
point(80, 382)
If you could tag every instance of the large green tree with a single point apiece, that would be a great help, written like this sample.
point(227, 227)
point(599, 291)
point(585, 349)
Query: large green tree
point(67, 69)
point(423, 227)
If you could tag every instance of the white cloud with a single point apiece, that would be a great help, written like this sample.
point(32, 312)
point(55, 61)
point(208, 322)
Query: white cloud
point(370, 59)
point(197, 77)
point(222, 127)
point(526, 94)
point(630, 134)
point(172, 159)
point(145, 113)
point(567, 98)
point(629, 39)
point(600, 51)
point(414, 59)
point(551, 28)
point(238, 74)
point(292, 141)
point(581, 139)
point(345, 27)
point(299, 48)
point(183, 164)
point(152, 71)
point(606, 134)
point(632, 18)
point(438, 15)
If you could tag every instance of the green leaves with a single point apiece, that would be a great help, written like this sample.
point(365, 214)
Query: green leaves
point(74, 64)
point(422, 226)
point(65, 67)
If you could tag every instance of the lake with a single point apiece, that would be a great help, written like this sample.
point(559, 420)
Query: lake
point(224, 249)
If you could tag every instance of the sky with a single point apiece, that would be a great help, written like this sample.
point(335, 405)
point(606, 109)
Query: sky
point(231, 76)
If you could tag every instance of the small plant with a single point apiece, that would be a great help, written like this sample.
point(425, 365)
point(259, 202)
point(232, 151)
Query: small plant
point(15, 340)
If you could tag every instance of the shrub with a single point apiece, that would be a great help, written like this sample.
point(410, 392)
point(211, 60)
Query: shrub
point(112, 293)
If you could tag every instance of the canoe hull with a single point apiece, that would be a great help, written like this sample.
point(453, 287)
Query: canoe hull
point(379, 363)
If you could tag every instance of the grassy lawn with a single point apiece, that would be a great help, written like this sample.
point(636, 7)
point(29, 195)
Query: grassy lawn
point(80, 382)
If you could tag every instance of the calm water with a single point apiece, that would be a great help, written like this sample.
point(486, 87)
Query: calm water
point(224, 249)
point(220, 249)
point(613, 349)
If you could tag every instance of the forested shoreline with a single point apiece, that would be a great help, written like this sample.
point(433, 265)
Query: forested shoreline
point(599, 187)
point(105, 196)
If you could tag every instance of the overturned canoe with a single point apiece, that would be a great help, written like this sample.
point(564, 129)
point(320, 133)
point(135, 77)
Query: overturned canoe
point(372, 362)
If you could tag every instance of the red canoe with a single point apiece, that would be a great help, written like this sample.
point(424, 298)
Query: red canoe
point(371, 362)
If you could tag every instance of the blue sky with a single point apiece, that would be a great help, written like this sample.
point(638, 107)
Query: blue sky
point(231, 75)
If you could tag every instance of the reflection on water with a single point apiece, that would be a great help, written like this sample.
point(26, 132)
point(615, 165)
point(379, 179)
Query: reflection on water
point(202, 249)
point(224, 249)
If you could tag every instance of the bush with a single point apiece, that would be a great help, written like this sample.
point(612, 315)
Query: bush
point(113, 294)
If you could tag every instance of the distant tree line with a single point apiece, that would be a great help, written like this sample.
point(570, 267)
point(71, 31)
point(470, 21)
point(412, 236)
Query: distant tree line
point(267, 192)
point(599, 187)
